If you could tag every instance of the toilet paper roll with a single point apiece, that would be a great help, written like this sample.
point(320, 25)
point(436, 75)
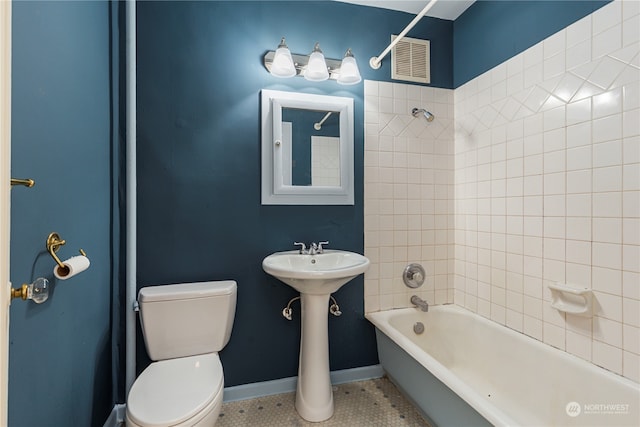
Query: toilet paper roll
point(72, 266)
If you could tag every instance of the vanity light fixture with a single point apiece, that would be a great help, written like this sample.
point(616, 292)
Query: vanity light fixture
point(313, 67)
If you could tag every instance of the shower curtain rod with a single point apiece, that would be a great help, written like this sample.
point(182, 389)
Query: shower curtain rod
point(375, 61)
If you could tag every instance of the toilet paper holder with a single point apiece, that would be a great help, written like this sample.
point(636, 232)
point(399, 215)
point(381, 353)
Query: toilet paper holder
point(53, 244)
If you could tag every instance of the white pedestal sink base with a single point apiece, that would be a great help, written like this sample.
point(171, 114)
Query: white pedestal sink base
point(314, 396)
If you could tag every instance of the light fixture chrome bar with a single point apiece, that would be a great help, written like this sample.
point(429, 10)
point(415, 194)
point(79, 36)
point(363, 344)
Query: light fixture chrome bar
point(301, 61)
point(375, 61)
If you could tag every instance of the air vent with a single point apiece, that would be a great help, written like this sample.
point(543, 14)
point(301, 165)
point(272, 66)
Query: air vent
point(411, 60)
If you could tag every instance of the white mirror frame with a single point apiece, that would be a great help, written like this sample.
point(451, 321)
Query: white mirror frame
point(274, 190)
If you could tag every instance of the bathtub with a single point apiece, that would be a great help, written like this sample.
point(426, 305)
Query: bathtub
point(465, 370)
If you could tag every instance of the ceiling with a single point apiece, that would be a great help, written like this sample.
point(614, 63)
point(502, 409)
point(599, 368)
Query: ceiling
point(444, 9)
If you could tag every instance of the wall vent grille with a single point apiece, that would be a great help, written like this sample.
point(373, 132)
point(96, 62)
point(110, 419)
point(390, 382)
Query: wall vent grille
point(411, 60)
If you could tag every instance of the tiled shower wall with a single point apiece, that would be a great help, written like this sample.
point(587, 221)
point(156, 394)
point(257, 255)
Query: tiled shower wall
point(408, 201)
point(546, 172)
point(547, 188)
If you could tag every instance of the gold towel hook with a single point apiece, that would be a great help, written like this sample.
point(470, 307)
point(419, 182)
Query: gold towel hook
point(53, 244)
point(26, 182)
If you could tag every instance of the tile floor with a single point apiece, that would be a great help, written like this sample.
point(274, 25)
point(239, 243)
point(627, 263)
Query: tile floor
point(369, 403)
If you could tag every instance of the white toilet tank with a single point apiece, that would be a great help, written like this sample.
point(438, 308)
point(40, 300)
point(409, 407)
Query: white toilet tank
point(187, 319)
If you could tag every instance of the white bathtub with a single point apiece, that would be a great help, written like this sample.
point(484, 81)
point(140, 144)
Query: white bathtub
point(465, 370)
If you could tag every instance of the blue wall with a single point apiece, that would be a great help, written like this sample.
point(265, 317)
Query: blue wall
point(490, 32)
point(60, 351)
point(200, 74)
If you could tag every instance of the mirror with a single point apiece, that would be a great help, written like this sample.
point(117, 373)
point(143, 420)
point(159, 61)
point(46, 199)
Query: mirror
point(307, 149)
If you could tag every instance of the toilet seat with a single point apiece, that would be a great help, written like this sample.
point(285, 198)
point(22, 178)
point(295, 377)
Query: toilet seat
point(173, 392)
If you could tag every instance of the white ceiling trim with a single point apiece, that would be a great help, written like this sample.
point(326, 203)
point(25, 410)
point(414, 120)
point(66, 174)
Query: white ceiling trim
point(443, 9)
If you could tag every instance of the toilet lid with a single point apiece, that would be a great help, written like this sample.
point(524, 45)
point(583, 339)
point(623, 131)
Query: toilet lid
point(170, 392)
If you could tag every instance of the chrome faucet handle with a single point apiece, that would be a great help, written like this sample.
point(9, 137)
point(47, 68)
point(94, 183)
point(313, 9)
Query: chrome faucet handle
point(320, 248)
point(303, 247)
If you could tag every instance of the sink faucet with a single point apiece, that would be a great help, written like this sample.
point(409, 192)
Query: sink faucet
point(420, 303)
point(314, 248)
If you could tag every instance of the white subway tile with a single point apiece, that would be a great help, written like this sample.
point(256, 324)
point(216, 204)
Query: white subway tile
point(607, 41)
point(607, 305)
point(579, 345)
point(607, 331)
point(578, 274)
point(631, 123)
point(579, 31)
point(631, 312)
point(607, 103)
point(631, 96)
point(579, 228)
point(555, 205)
point(579, 158)
point(631, 361)
point(607, 356)
point(555, 183)
point(578, 251)
point(578, 204)
point(631, 285)
point(533, 327)
point(554, 249)
point(631, 150)
point(607, 128)
point(554, 335)
point(630, 8)
point(607, 280)
point(607, 154)
point(578, 135)
point(607, 204)
point(631, 177)
point(607, 230)
point(607, 255)
point(606, 17)
point(578, 55)
point(579, 181)
point(554, 140)
point(578, 112)
point(631, 339)
point(607, 179)
point(533, 164)
point(631, 231)
point(631, 258)
point(631, 204)
point(533, 185)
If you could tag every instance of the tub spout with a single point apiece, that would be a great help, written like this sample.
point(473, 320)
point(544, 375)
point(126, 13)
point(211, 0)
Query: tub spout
point(420, 303)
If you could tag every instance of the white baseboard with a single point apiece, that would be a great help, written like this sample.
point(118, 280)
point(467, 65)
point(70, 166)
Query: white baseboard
point(116, 418)
point(287, 385)
point(267, 388)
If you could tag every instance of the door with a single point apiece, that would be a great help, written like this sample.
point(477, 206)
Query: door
point(5, 188)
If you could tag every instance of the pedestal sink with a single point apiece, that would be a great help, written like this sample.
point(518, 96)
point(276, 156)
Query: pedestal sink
point(316, 277)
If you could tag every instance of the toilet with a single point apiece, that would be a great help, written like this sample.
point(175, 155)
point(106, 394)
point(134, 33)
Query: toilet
point(184, 327)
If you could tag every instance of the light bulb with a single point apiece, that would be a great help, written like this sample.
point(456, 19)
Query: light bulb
point(282, 65)
point(349, 72)
point(317, 67)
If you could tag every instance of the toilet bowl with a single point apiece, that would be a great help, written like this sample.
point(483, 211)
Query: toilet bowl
point(184, 328)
